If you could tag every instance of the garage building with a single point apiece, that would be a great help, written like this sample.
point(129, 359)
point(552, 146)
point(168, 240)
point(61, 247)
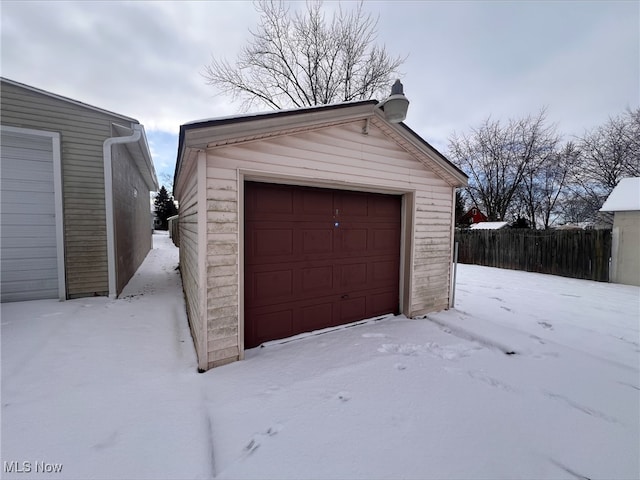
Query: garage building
point(74, 184)
point(298, 220)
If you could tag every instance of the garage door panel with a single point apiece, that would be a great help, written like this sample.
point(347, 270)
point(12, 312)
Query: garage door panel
point(14, 265)
point(315, 317)
point(270, 242)
point(271, 285)
point(272, 201)
point(383, 210)
point(26, 231)
point(23, 208)
point(43, 197)
point(314, 202)
point(272, 325)
point(28, 242)
point(46, 253)
point(353, 276)
point(28, 260)
point(316, 279)
point(383, 272)
point(353, 239)
point(336, 271)
point(385, 239)
point(26, 275)
point(351, 310)
point(380, 302)
point(27, 292)
point(353, 205)
point(317, 240)
point(37, 174)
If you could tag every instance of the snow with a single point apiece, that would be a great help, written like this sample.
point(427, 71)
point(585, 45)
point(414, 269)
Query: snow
point(625, 197)
point(488, 225)
point(530, 376)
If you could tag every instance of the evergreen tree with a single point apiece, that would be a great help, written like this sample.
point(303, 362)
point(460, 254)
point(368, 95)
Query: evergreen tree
point(164, 207)
point(460, 207)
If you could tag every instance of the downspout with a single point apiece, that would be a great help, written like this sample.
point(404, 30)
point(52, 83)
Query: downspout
point(108, 200)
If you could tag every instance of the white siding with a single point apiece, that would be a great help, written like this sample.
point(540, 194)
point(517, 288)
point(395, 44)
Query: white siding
point(335, 157)
point(188, 233)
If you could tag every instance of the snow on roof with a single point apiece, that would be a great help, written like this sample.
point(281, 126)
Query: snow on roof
point(625, 197)
point(488, 225)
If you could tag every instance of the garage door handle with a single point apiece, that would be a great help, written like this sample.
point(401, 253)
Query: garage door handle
point(344, 296)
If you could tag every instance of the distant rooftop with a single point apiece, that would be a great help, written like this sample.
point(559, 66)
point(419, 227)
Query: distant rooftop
point(625, 197)
point(488, 225)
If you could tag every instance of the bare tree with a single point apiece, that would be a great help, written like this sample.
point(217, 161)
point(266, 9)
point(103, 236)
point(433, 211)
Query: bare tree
point(608, 154)
point(302, 59)
point(498, 157)
point(543, 185)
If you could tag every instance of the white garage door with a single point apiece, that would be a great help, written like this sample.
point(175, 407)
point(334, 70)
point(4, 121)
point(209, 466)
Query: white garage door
point(29, 177)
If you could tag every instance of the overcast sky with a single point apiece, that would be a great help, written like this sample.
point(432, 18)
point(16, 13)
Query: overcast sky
point(467, 60)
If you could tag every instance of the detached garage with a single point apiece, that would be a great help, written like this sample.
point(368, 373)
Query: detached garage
point(74, 205)
point(298, 220)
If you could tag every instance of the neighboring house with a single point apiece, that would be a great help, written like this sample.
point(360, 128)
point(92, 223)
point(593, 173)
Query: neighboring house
point(624, 201)
point(489, 225)
point(75, 183)
point(474, 215)
point(298, 220)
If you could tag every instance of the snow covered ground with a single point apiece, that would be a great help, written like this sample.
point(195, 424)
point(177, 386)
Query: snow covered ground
point(530, 376)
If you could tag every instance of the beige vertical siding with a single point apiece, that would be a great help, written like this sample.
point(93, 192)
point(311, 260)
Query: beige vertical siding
point(338, 156)
point(132, 216)
point(82, 131)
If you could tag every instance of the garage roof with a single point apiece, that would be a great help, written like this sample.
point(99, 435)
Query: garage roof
point(216, 132)
point(625, 197)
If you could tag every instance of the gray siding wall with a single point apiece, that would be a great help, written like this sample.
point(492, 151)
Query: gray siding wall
point(132, 216)
point(82, 133)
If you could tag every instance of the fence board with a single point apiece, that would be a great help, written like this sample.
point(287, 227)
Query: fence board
point(569, 253)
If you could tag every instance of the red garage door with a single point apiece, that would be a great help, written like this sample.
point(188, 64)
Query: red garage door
point(317, 258)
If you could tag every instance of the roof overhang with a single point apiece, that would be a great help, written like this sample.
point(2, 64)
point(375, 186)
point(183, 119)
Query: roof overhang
point(205, 134)
point(139, 151)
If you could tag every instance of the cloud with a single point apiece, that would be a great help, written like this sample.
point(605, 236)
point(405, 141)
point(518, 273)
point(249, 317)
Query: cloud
point(467, 60)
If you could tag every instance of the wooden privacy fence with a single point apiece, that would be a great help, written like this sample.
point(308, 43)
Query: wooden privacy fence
point(174, 232)
point(569, 253)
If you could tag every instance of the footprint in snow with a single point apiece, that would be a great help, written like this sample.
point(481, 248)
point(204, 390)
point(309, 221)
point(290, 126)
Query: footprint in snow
point(400, 366)
point(343, 396)
point(494, 382)
point(255, 441)
point(546, 325)
point(252, 446)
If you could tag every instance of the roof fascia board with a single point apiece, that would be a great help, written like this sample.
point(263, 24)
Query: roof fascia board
point(256, 127)
point(445, 167)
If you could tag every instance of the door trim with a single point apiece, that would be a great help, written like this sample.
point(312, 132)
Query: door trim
point(406, 229)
